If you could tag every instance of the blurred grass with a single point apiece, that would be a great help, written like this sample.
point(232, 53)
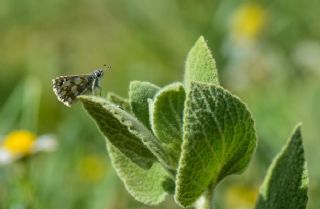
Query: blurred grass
point(148, 40)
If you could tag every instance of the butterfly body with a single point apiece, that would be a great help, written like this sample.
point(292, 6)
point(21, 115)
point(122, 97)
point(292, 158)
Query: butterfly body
point(67, 88)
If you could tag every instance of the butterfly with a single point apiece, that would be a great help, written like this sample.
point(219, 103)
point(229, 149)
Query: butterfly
point(67, 88)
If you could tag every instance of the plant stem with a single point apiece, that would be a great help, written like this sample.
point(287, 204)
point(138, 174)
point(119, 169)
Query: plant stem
point(206, 200)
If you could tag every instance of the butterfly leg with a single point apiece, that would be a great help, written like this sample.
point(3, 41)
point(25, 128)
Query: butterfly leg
point(95, 85)
point(100, 90)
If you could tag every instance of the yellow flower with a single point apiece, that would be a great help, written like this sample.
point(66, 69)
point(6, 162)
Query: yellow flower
point(248, 21)
point(241, 197)
point(92, 168)
point(19, 142)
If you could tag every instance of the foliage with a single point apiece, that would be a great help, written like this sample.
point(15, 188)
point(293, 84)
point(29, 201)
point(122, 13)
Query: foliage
point(267, 53)
point(286, 183)
point(214, 129)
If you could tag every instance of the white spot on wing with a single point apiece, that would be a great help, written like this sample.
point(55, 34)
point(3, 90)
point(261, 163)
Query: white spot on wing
point(77, 81)
point(74, 89)
point(66, 83)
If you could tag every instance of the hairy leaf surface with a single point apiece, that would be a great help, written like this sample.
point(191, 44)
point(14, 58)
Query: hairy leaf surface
point(166, 112)
point(286, 183)
point(200, 65)
point(139, 93)
point(145, 185)
point(219, 139)
point(125, 132)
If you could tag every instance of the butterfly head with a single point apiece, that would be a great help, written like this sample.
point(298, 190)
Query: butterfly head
point(100, 72)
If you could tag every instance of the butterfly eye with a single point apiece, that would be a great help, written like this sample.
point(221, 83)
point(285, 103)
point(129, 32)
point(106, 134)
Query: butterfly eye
point(100, 73)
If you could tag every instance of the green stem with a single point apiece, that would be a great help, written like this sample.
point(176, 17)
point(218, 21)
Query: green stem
point(25, 187)
point(206, 200)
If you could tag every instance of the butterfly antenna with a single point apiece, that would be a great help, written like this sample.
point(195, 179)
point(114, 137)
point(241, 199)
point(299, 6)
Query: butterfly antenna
point(105, 67)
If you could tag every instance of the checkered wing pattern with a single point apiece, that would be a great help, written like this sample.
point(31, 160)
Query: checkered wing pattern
point(67, 88)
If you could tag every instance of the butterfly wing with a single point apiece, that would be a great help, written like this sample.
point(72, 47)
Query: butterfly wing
point(67, 88)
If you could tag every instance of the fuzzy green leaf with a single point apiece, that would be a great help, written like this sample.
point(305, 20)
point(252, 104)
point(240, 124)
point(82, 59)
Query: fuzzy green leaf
point(286, 183)
point(125, 132)
point(123, 103)
point(139, 93)
point(219, 139)
point(145, 185)
point(121, 129)
point(200, 65)
point(166, 113)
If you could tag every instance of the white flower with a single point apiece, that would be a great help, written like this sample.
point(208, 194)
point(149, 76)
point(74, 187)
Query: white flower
point(22, 143)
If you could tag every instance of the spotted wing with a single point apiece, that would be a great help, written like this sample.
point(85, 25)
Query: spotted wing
point(67, 88)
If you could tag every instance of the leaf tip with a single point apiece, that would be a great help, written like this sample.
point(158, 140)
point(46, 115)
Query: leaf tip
point(200, 64)
point(202, 41)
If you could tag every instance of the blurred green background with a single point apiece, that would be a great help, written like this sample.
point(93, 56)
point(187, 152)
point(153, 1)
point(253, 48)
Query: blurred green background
point(267, 52)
